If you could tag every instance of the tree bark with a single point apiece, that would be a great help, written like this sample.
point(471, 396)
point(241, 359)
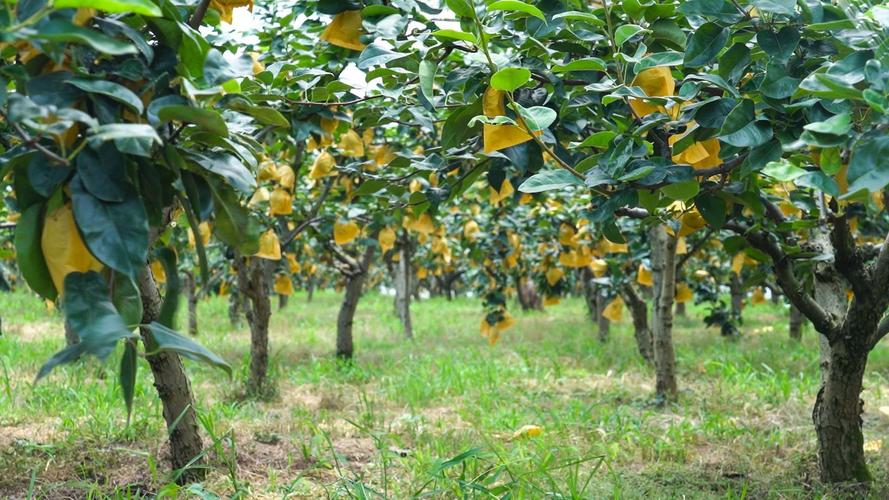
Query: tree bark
point(253, 283)
point(639, 311)
point(737, 296)
point(71, 336)
point(402, 288)
point(354, 282)
point(192, 299)
point(603, 323)
point(174, 391)
point(796, 323)
point(234, 309)
point(680, 309)
point(837, 417)
point(663, 267)
point(310, 289)
point(282, 301)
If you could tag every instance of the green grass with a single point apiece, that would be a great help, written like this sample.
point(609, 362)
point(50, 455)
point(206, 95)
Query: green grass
point(741, 427)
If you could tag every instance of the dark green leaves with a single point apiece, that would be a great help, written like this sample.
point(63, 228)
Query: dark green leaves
point(115, 233)
point(785, 7)
point(377, 55)
point(229, 168)
point(549, 180)
point(779, 46)
point(704, 44)
point(110, 89)
point(92, 316)
point(869, 168)
point(168, 340)
point(205, 119)
point(235, 225)
point(58, 30)
point(741, 129)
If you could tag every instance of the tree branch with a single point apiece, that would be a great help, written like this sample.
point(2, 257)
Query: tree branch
point(823, 321)
point(198, 16)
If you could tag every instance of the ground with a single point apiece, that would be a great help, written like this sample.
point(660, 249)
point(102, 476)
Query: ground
point(435, 416)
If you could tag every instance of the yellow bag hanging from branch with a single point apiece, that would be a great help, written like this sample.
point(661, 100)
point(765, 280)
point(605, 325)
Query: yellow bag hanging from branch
point(323, 166)
point(701, 154)
point(386, 238)
point(283, 285)
point(506, 190)
point(758, 297)
point(345, 232)
point(281, 202)
point(63, 248)
point(683, 293)
point(497, 137)
point(351, 144)
point(643, 276)
point(292, 264)
point(471, 230)
point(554, 275)
point(226, 7)
point(269, 246)
point(738, 263)
point(614, 311)
point(286, 177)
point(655, 82)
point(345, 30)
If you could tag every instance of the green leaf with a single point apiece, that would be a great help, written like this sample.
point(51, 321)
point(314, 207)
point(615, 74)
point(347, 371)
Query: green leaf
point(167, 314)
point(58, 30)
point(712, 209)
point(144, 7)
point(626, 31)
point(122, 131)
point(205, 119)
point(782, 170)
point(785, 7)
point(377, 55)
point(599, 140)
point(264, 114)
point(868, 168)
point(535, 117)
point(682, 191)
point(456, 128)
point(115, 233)
point(92, 317)
point(126, 299)
point(839, 124)
point(740, 128)
point(586, 17)
point(463, 8)
point(235, 225)
point(455, 35)
point(516, 6)
point(228, 167)
point(704, 44)
point(427, 78)
point(167, 340)
point(29, 253)
point(509, 79)
point(113, 90)
point(129, 363)
point(585, 64)
point(829, 86)
point(549, 180)
point(779, 46)
point(668, 58)
point(831, 162)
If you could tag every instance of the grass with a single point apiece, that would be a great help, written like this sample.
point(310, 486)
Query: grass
point(435, 416)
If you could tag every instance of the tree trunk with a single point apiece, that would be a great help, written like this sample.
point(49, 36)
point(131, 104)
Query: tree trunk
point(282, 301)
point(192, 299)
point(234, 309)
point(310, 289)
point(796, 323)
point(603, 323)
point(344, 345)
point(253, 282)
point(837, 417)
point(737, 296)
point(71, 336)
point(680, 309)
point(663, 267)
point(639, 311)
point(402, 288)
point(174, 391)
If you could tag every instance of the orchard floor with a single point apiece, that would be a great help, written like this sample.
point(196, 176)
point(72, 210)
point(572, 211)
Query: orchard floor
point(435, 416)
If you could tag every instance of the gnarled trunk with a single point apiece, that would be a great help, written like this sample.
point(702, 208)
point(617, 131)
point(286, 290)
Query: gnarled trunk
point(737, 296)
point(837, 416)
point(354, 283)
point(234, 309)
point(663, 268)
point(639, 311)
point(526, 292)
point(595, 304)
point(174, 391)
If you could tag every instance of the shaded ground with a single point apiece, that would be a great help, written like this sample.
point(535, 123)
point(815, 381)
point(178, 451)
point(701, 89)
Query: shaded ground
point(390, 422)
